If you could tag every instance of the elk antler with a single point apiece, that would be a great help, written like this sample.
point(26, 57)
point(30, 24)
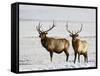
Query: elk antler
point(38, 28)
point(68, 29)
point(51, 27)
point(80, 29)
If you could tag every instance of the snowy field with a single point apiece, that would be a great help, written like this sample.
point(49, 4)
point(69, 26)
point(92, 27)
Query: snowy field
point(32, 56)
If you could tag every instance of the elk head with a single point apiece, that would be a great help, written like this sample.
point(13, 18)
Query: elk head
point(42, 34)
point(76, 34)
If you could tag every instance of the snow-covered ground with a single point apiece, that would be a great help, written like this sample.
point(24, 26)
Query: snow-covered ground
point(32, 56)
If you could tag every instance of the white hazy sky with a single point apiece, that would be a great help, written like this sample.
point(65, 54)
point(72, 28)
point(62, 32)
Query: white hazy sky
point(81, 15)
point(62, 13)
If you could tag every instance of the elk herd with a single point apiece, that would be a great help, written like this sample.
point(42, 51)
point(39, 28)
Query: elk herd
point(53, 45)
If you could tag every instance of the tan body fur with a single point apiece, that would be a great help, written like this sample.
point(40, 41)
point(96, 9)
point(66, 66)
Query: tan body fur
point(80, 47)
point(55, 45)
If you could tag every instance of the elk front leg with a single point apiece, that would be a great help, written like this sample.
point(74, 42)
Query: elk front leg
point(75, 57)
point(79, 58)
point(51, 55)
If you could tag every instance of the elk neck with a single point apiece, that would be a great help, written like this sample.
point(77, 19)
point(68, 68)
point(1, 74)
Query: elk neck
point(75, 43)
point(44, 41)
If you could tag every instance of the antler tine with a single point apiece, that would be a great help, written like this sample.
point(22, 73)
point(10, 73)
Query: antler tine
point(68, 29)
point(51, 27)
point(80, 29)
point(38, 28)
point(53, 24)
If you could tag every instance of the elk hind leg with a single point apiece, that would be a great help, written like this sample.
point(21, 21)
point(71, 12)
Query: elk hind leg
point(85, 57)
point(67, 55)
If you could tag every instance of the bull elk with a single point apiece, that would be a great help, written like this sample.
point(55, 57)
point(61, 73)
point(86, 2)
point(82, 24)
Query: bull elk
point(52, 44)
point(79, 46)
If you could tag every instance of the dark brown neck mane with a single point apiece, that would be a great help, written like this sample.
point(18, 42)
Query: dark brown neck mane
point(75, 43)
point(44, 42)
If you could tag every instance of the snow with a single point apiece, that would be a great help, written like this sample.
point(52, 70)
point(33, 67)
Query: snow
point(32, 56)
